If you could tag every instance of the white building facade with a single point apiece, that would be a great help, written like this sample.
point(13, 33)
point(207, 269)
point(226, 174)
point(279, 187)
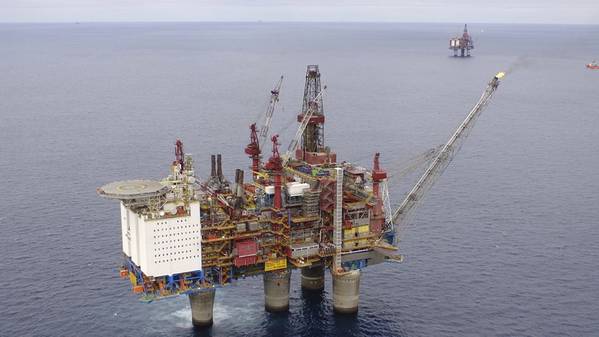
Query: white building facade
point(163, 246)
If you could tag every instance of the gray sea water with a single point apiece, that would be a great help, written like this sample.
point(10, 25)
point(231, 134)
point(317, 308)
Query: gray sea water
point(505, 244)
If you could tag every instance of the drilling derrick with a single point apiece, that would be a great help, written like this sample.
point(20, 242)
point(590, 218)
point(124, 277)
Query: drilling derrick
point(312, 149)
point(313, 137)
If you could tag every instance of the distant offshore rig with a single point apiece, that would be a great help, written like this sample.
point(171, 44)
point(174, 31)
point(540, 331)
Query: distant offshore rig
point(302, 209)
point(462, 44)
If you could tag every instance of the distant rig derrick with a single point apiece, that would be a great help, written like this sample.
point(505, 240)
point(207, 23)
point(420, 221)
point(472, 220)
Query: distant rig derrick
point(301, 210)
point(462, 45)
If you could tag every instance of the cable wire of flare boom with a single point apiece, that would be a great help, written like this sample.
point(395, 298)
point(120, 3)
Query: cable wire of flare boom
point(444, 157)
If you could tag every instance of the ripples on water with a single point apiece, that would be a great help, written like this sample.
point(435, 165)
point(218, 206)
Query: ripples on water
point(506, 244)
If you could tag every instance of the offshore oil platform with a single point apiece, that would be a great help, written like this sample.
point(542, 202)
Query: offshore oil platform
point(302, 209)
point(462, 44)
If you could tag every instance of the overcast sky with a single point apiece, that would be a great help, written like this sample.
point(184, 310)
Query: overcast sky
point(505, 11)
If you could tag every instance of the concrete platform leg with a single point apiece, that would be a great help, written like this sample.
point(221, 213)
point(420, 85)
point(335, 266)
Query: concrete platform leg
point(202, 305)
point(313, 278)
point(346, 292)
point(276, 291)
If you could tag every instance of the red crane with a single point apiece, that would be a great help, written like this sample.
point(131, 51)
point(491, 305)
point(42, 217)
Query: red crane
point(257, 138)
point(253, 150)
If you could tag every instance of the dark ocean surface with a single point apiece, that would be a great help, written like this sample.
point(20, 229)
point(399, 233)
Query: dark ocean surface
point(505, 244)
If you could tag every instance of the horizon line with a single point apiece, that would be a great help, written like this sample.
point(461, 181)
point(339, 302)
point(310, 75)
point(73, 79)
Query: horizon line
point(302, 22)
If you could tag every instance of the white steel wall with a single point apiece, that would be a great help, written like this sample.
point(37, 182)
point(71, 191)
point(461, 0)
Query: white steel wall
point(125, 230)
point(129, 232)
point(165, 246)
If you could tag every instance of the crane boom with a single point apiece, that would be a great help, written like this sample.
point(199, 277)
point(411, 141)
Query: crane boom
point(445, 156)
point(386, 203)
point(274, 98)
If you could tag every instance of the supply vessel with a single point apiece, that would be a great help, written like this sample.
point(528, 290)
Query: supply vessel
point(301, 209)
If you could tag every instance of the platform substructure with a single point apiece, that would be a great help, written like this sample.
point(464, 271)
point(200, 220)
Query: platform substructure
point(313, 278)
point(346, 291)
point(202, 305)
point(276, 291)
